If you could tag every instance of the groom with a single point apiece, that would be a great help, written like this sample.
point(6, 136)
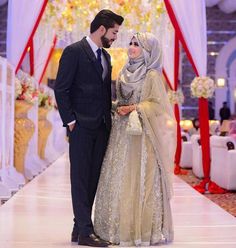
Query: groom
point(83, 95)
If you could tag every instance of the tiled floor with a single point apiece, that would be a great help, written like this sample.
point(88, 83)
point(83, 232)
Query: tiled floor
point(40, 215)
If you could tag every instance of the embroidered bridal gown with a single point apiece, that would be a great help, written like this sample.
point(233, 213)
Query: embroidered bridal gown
point(133, 197)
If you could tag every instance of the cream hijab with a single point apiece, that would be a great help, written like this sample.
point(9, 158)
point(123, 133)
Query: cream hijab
point(135, 70)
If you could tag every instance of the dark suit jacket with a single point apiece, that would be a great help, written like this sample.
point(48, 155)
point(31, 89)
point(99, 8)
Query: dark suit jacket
point(81, 92)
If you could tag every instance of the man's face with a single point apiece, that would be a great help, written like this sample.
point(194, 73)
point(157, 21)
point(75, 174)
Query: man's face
point(110, 36)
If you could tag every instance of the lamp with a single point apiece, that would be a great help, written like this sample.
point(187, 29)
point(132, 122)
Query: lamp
point(220, 82)
point(186, 124)
point(214, 122)
point(181, 123)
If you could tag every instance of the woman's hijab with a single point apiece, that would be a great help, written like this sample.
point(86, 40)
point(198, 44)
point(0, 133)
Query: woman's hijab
point(135, 70)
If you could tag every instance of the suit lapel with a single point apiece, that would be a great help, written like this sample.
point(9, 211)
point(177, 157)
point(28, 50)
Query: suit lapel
point(108, 60)
point(91, 56)
point(107, 57)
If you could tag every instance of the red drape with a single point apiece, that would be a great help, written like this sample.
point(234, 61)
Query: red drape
point(203, 105)
point(31, 57)
point(30, 40)
point(177, 169)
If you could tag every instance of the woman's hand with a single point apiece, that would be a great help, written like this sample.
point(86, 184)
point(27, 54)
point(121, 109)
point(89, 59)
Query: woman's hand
point(124, 110)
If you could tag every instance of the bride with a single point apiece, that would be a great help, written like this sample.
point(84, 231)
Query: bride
point(133, 197)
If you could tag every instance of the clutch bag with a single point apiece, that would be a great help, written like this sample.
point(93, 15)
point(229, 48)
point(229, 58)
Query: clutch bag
point(134, 126)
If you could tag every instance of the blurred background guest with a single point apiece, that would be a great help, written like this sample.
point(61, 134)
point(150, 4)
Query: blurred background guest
point(224, 112)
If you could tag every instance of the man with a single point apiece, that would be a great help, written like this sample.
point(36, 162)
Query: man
point(224, 112)
point(83, 95)
point(211, 111)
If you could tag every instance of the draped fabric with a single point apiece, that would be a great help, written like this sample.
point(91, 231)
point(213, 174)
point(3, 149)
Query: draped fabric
point(23, 20)
point(171, 73)
point(44, 43)
point(169, 55)
point(133, 197)
point(192, 31)
point(7, 99)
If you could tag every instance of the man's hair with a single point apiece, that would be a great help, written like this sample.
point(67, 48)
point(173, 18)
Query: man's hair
point(107, 18)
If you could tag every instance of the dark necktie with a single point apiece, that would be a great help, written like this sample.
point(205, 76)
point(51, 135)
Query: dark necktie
point(99, 57)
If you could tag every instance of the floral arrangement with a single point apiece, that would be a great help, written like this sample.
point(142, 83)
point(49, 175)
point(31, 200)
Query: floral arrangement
point(65, 15)
point(202, 87)
point(176, 97)
point(24, 88)
point(45, 99)
point(62, 14)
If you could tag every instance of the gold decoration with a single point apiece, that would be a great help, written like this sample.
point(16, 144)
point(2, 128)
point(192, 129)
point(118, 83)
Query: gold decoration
point(44, 129)
point(24, 130)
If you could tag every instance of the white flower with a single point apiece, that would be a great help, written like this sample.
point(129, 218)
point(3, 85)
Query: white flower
point(202, 87)
point(176, 97)
point(24, 87)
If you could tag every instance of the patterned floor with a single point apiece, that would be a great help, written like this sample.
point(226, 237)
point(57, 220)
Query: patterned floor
point(226, 201)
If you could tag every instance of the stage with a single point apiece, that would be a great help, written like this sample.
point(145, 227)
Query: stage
point(40, 215)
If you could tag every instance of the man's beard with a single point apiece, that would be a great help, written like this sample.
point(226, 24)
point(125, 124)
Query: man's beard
point(105, 41)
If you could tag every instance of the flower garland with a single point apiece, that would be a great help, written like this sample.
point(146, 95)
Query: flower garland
point(176, 97)
point(202, 87)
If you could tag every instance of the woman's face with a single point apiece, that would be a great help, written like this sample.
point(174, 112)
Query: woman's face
point(134, 50)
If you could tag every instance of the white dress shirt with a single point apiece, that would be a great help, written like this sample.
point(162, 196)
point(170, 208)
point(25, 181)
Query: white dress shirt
point(95, 48)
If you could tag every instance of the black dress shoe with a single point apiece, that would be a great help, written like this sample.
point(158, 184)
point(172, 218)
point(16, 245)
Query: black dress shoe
point(75, 235)
point(92, 240)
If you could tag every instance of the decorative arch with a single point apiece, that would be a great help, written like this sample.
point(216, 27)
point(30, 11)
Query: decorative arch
point(226, 68)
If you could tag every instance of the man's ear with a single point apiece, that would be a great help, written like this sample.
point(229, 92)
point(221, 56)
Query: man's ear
point(102, 30)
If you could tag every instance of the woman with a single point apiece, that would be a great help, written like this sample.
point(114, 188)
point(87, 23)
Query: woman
point(132, 203)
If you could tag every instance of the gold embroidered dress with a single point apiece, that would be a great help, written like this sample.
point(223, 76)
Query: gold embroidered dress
point(133, 196)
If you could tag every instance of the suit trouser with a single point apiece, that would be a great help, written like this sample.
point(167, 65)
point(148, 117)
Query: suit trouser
point(87, 149)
